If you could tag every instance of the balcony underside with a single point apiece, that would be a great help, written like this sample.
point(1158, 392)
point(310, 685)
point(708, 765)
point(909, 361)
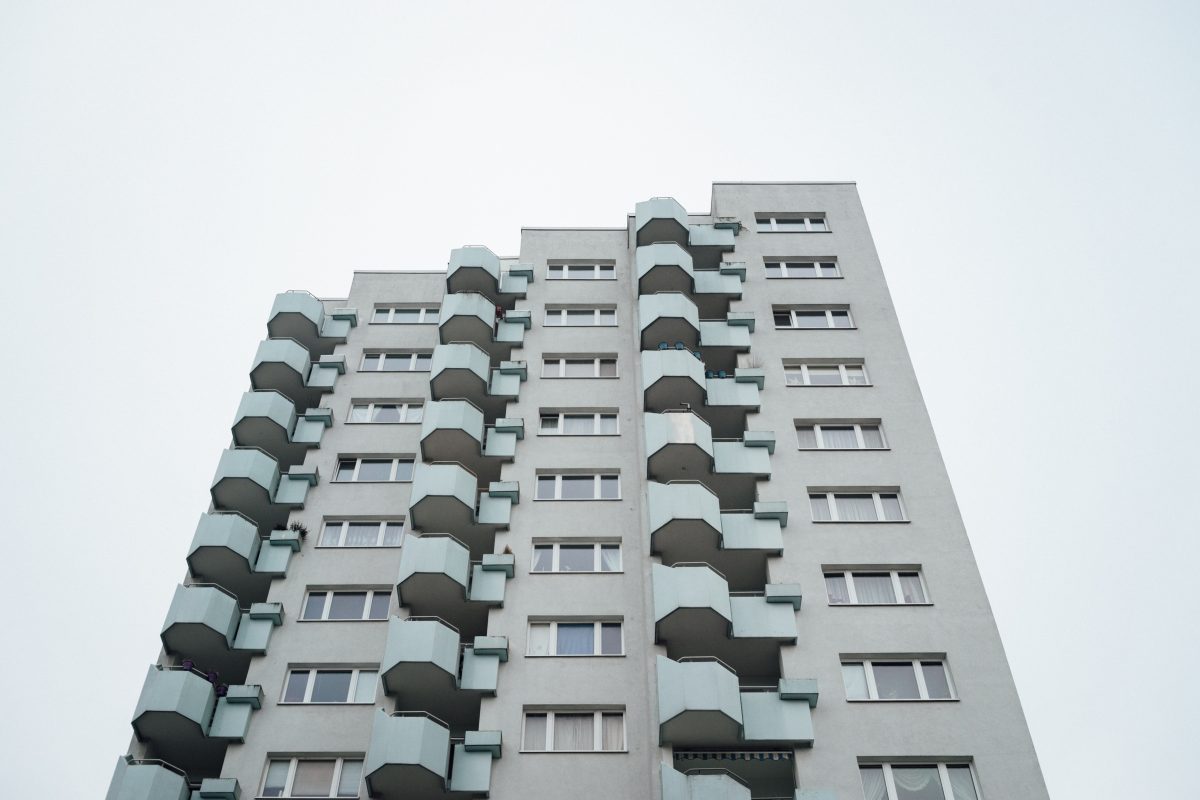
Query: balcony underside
point(437, 595)
point(692, 632)
point(683, 541)
point(174, 738)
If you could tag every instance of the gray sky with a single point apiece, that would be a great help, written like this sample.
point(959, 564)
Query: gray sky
point(1029, 170)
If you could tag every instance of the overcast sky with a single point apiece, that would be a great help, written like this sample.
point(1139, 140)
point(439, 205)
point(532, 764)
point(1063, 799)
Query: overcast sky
point(1029, 171)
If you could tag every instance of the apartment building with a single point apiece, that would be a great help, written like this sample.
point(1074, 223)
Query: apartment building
point(653, 511)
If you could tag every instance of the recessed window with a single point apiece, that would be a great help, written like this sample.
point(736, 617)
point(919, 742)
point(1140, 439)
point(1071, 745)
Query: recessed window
point(396, 362)
point(802, 269)
point(854, 506)
point(386, 412)
point(599, 486)
point(330, 686)
point(812, 317)
point(571, 423)
point(832, 435)
point(312, 777)
point(374, 470)
point(406, 315)
point(356, 533)
point(576, 557)
point(847, 374)
point(575, 639)
point(790, 223)
point(599, 367)
point(581, 272)
point(864, 587)
point(906, 781)
point(573, 731)
point(345, 606)
point(581, 317)
point(896, 679)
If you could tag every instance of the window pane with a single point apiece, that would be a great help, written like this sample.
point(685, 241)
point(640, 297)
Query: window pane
point(423, 362)
point(374, 469)
point(610, 487)
point(961, 783)
point(895, 681)
point(364, 690)
point(608, 423)
point(331, 686)
point(793, 376)
point(404, 470)
point(910, 586)
point(839, 437)
point(810, 319)
point(535, 732)
point(835, 586)
point(936, 683)
point(396, 362)
point(855, 678)
point(545, 487)
point(345, 471)
point(917, 783)
point(381, 315)
point(392, 533)
point(820, 507)
point(576, 558)
point(379, 605)
point(824, 376)
point(891, 507)
point(550, 368)
point(297, 683)
point(874, 787)
point(331, 536)
point(578, 487)
point(608, 368)
point(807, 436)
point(856, 375)
point(783, 319)
point(610, 558)
point(277, 772)
point(554, 316)
point(573, 732)
point(347, 605)
point(762, 225)
point(360, 413)
point(580, 367)
point(576, 639)
point(313, 606)
point(578, 424)
point(841, 319)
point(362, 534)
point(856, 507)
point(554, 271)
point(774, 270)
point(789, 224)
point(828, 269)
point(351, 775)
point(874, 588)
point(581, 316)
point(816, 223)
point(543, 557)
point(539, 639)
point(370, 362)
point(613, 731)
point(584, 271)
point(386, 413)
point(415, 412)
point(802, 269)
point(550, 423)
point(312, 779)
point(610, 639)
point(607, 271)
point(608, 316)
point(872, 437)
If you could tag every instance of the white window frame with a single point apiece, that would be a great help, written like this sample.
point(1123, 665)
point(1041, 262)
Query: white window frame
point(558, 484)
point(810, 221)
point(561, 313)
point(339, 763)
point(943, 775)
point(597, 634)
point(343, 526)
point(791, 369)
point(385, 354)
point(329, 593)
point(561, 415)
point(868, 665)
point(897, 587)
point(597, 558)
point(598, 272)
point(428, 315)
point(405, 407)
point(561, 361)
point(358, 460)
point(831, 499)
point(828, 311)
point(597, 729)
point(820, 267)
point(355, 677)
point(858, 434)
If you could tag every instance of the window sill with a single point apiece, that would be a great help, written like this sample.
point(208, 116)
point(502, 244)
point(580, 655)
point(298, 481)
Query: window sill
point(430, 322)
point(874, 605)
point(392, 371)
point(341, 482)
point(548, 278)
point(544, 325)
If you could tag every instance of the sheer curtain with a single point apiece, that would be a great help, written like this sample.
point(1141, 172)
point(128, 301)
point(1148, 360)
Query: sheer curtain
point(872, 780)
point(610, 558)
point(539, 639)
point(874, 588)
point(855, 678)
point(359, 534)
point(613, 731)
point(841, 438)
point(962, 783)
point(856, 508)
point(917, 783)
point(576, 639)
point(351, 775)
point(807, 436)
point(573, 732)
point(535, 732)
point(820, 507)
point(312, 779)
point(910, 585)
point(835, 585)
point(543, 558)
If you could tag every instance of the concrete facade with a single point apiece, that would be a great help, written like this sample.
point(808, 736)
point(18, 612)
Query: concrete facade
point(757, 714)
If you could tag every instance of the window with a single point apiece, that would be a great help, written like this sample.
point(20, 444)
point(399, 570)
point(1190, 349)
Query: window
point(574, 731)
point(856, 507)
point(340, 606)
point(581, 272)
point(409, 315)
point(896, 679)
point(791, 223)
point(576, 557)
point(826, 374)
point(875, 587)
point(374, 470)
point(396, 362)
point(386, 412)
point(836, 435)
point(809, 317)
point(567, 423)
point(386, 533)
point(575, 639)
point(312, 777)
point(578, 487)
point(918, 782)
point(802, 269)
point(581, 317)
point(599, 367)
point(330, 686)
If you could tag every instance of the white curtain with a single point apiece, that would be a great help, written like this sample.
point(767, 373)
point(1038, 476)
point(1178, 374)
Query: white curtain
point(312, 779)
point(807, 436)
point(962, 784)
point(351, 775)
point(359, 534)
point(820, 507)
point(332, 534)
point(917, 783)
point(535, 732)
point(874, 588)
point(855, 678)
point(610, 559)
point(276, 780)
point(891, 507)
point(613, 731)
point(392, 534)
point(856, 508)
point(539, 639)
point(543, 558)
point(573, 732)
point(364, 690)
point(872, 780)
point(835, 585)
point(839, 438)
point(575, 639)
point(871, 436)
point(910, 585)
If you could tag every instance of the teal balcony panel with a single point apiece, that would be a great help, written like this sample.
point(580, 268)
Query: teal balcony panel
point(452, 430)
point(310, 427)
point(324, 374)
point(248, 481)
point(520, 368)
point(439, 560)
point(494, 511)
point(755, 375)
point(444, 498)
point(712, 786)
point(764, 439)
point(660, 219)
point(514, 285)
point(294, 485)
point(282, 365)
point(682, 511)
point(772, 509)
point(521, 269)
point(509, 334)
point(472, 269)
point(668, 317)
point(710, 236)
point(472, 771)
point(300, 316)
point(458, 370)
point(492, 645)
point(737, 268)
point(746, 532)
point(201, 623)
point(663, 267)
point(175, 704)
point(719, 333)
point(421, 656)
point(726, 392)
point(483, 742)
point(254, 629)
point(799, 689)
point(509, 489)
point(698, 703)
point(220, 789)
point(268, 421)
point(717, 282)
point(742, 319)
point(275, 555)
point(409, 756)
point(513, 425)
point(755, 618)
point(500, 445)
point(784, 593)
point(768, 717)
point(499, 562)
point(672, 379)
point(520, 316)
point(224, 550)
point(679, 446)
point(487, 586)
point(735, 458)
point(682, 589)
point(231, 720)
point(146, 780)
point(480, 671)
point(472, 317)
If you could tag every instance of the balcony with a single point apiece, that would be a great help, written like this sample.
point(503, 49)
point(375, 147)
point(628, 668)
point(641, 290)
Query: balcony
point(722, 341)
point(708, 243)
point(172, 717)
point(702, 784)
point(454, 430)
point(462, 371)
point(667, 318)
point(446, 497)
point(300, 316)
point(410, 754)
point(687, 525)
point(728, 401)
point(660, 219)
point(758, 772)
point(664, 267)
point(206, 625)
point(249, 482)
point(779, 716)
point(285, 366)
point(714, 289)
point(227, 550)
point(478, 269)
point(268, 421)
point(672, 379)
point(680, 446)
point(140, 779)
point(438, 579)
point(472, 317)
